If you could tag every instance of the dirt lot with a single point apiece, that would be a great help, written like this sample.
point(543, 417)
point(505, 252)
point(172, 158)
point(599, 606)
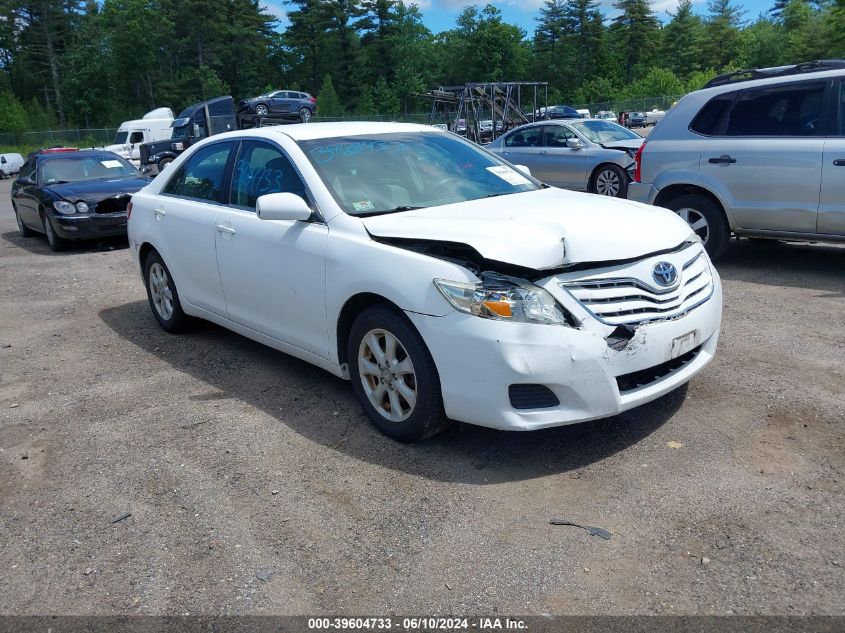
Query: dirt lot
point(256, 485)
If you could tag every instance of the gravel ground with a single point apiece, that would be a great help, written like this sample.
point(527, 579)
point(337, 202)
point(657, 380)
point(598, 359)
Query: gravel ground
point(256, 485)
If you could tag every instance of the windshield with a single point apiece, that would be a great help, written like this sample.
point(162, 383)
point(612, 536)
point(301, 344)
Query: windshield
point(180, 132)
point(88, 167)
point(121, 137)
point(397, 172)
point(604, 131)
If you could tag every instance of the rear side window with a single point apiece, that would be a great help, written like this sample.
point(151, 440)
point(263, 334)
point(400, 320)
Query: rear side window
point(706, 122)
point(201, 177)
point(260, 169)
point(525, 138)
point(791, 110)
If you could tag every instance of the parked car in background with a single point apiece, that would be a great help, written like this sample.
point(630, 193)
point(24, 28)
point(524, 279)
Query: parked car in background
point(290, 103)
point(74, 195)
point(584, 155)
point(584, 113)
point(155, 125)
point(636, 119)
point(10, 164)
point(559, 112)
point(653, 117)
point(438, 278)
point(757, 153)
point(606, 114)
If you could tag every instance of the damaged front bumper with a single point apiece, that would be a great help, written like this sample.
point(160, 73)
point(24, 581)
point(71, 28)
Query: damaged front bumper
point(520, 376)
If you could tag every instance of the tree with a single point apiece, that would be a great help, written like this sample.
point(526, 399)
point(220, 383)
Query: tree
point(722, 29)
point(12, 114)
point(584, 26)
point(329, 103)
point(635, 32)
point(683, 41)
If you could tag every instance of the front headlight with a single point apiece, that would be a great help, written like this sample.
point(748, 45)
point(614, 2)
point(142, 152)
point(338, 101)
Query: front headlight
point(63, 207)
point(503, 299)
point(81, 207)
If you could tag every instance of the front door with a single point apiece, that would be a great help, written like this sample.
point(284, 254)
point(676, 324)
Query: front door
point(767, 157)
point(562, 166)
point(184, 220)
point(832, 203)
point(273, 272)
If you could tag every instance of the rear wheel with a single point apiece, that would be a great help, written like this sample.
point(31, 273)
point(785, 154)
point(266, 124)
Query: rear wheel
point(610, 180)
point(706, 220)
point(304, 115)
point(394, 376)
point(56, 242)
point(163, 296)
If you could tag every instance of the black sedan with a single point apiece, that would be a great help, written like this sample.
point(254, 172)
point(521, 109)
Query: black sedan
point(74, 195)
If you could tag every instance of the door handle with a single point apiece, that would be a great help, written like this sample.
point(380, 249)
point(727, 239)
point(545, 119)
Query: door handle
point(160, 213)
point(724, 159)
point(222, 228)
point(839, 162)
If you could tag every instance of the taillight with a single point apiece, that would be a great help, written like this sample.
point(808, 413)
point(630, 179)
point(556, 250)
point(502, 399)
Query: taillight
point(129, 210)
point(638, 163)
point(313, 99)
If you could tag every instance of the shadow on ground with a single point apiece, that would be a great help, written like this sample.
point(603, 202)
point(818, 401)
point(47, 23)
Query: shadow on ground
point(816, 266)
point(37, 245)
point(323, 408)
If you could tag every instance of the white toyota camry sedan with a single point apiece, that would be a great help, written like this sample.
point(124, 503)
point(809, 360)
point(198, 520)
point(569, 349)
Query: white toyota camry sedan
point(444, 282)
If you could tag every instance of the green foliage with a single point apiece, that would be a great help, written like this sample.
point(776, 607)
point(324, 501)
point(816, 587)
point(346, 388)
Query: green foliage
point(94, 63)
point(328, 102)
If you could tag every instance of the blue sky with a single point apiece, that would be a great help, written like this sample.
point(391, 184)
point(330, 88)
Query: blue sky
point(440, 15)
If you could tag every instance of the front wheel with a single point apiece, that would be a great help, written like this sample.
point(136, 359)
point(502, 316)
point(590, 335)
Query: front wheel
point(162, 295)
point(705, 219)
point(611, 180)
point(261, 110)
point(164, 162)
point(394, 376)
point(56, 242)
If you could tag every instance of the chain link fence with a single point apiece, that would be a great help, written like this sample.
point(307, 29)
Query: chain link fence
point(75, 137)
point(631, 105)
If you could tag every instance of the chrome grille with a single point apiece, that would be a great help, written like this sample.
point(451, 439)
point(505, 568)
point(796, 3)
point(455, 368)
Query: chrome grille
point(632, 300)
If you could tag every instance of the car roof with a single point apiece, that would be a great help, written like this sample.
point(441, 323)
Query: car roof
point(310, 131)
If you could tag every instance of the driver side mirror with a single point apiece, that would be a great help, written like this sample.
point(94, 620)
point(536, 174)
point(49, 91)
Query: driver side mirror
point(282, 206)
point(24, 180)
point(574, 143)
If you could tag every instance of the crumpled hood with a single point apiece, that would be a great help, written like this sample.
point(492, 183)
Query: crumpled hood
point(633, 144)
point(92, 191)
point(543, 229)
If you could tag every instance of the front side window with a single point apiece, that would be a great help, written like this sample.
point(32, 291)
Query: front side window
point(530, 137)
point(28, 170)
point(841, 109)
point(556, 136)
point(791, 110)
point(385, 173)
point(261, 169)
point(136, 137)
point(202, 175)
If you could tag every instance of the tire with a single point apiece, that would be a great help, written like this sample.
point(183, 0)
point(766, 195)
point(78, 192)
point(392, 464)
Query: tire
point(610, 180)
point(56, 242)
point(24, 230)
point(163, 296)
point(261, 110)
point(383, 385)
point(714, 231)
point(164, 162)
point(305, 115)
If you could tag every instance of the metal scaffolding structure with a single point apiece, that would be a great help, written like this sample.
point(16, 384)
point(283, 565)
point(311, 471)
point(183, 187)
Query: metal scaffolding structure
point(483, 111)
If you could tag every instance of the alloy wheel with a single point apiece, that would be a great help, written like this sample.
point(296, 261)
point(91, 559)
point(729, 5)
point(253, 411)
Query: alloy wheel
point(160, 291)
point(608, 183)
point(697, 222)
point(305, 115)
point(261, 110)
point(387, 375)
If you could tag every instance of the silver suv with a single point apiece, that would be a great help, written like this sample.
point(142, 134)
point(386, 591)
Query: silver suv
point(757, 153)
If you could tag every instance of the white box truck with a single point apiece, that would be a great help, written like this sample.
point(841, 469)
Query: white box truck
point(154, 126)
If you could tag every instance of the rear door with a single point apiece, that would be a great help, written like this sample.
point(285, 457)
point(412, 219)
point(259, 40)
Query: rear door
point(184, 226)
point(560, 165)
point(523, 147)
point(832, 203)
point(766, 156)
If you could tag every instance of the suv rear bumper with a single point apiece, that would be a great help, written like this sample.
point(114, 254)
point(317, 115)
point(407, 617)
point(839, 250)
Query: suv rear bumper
point(644, 192)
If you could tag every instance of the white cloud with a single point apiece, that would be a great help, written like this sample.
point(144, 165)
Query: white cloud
point(276, 10)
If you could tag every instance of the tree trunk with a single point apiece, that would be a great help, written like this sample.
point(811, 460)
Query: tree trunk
point(54, 69)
